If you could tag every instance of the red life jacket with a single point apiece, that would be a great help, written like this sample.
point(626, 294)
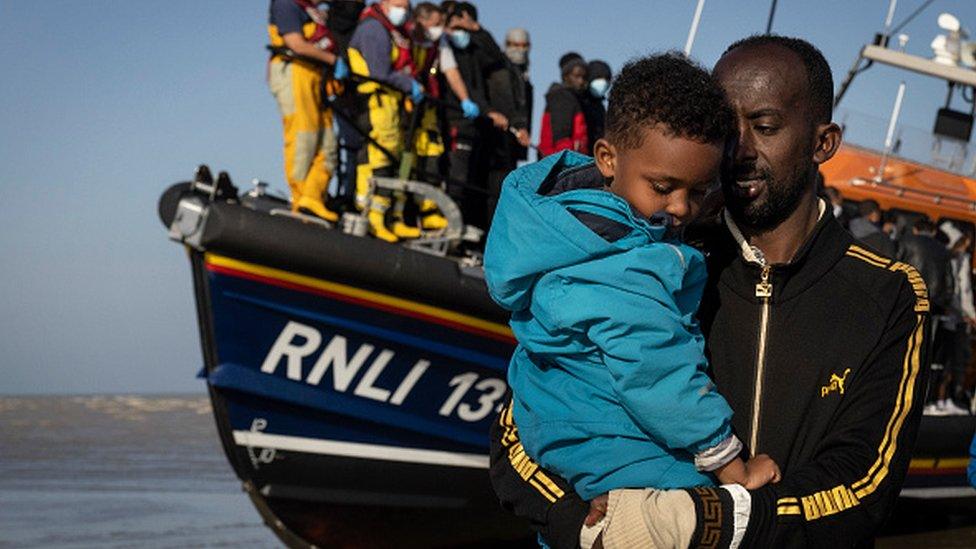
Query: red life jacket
point(404, 61)
point(322, 37)
point(423, 74)
point(569, 133)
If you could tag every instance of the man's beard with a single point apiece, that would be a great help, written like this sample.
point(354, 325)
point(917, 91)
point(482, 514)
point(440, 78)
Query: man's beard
point(766, 212)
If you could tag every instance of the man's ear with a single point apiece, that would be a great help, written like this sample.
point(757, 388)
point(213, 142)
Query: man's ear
point(829, 137)
point(605, 155)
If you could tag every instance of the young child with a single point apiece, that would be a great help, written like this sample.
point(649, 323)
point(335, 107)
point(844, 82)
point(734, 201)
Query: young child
point(609, 381)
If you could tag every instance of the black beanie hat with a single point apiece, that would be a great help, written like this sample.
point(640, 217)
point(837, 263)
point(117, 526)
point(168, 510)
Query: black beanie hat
point(570, 60)
point(599, 69)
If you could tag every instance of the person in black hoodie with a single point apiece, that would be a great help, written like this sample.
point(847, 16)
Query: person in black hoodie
point(817, 343)
point(599, 75)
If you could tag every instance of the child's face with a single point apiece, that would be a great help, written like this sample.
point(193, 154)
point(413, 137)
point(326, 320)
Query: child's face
point(666, 173)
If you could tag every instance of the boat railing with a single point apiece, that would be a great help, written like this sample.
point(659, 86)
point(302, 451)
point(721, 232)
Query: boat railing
point(911, 143)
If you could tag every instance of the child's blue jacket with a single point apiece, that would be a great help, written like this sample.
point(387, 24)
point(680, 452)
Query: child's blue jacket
point(609, 380)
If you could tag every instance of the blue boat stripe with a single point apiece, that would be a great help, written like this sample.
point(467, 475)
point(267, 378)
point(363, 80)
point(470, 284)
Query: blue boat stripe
point(241, 378)
point(426, 345)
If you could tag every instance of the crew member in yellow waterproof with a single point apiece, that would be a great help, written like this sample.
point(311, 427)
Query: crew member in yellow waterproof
point(297, 84)
point(381, 50)
point(433, 57)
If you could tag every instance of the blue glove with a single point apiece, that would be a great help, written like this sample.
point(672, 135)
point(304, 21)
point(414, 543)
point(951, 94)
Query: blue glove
point(416, 92)
point(470, 108)
point(341, 70)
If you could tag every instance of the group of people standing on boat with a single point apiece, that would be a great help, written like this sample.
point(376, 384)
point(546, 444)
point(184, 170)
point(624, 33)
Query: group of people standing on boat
point(418, 92)
point(941, 253)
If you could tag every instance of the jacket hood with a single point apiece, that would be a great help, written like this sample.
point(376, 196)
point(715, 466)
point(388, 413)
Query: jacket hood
point(553, 214)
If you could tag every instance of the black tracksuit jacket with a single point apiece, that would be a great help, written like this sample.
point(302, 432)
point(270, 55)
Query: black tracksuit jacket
point(824, 366)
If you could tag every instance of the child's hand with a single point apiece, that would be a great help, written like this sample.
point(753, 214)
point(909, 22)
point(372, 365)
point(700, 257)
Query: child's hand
point(760, 471)
point(598, 510)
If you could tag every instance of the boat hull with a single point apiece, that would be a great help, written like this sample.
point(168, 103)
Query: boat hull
point(353, 383)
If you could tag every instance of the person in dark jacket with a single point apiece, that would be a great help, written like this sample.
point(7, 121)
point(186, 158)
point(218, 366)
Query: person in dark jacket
point(930, 257)
point(517, 47)
point(599, 75)
point(506, 95)
point(477, 57)
point(867, 229)
point(840, 210)
point(342, 21)
point(816, 342)
point(563, 121)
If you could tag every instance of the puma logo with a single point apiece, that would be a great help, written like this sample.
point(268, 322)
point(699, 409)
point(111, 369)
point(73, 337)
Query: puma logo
point(836, 384)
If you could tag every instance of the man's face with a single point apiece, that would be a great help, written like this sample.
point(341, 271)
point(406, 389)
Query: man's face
point(666, 173)
point(576, 78)
point(387, 4)
point(517, 51)
point(433, 19)
point(772, 163)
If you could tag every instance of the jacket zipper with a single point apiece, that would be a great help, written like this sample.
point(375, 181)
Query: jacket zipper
point(764, 291)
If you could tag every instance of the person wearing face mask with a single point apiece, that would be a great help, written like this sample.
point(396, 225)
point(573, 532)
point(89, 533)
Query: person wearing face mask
point(433, 57)
point(503, 146)
point(594, 110)
point(476, 144)
point(302, 43)
point(380, 49)
point(517, 46)
point(563, 121)
point(342, 21)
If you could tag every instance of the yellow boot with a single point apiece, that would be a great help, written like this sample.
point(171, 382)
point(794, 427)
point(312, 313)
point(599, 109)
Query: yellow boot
point(377, 219)
point(363, 173)
point(399, 228)
point(308, 205)
point(430, 216)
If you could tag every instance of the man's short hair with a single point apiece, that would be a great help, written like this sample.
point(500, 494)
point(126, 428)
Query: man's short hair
point(460, 8)
point(423, 10)
point(924, 225)
point(868, 207)
point(666, 90)
point(820, 81)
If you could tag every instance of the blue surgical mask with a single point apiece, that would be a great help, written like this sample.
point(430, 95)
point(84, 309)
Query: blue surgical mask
point(599, 87)
point(397, 15)
point(460, 39)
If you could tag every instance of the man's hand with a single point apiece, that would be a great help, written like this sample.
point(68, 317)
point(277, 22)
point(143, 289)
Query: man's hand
point(598, 510)
point(416, 91)
point(470, 109)
point(298, 44)
point(522, 137)
point(498, 120)
point(341, 70)
point(760, 471)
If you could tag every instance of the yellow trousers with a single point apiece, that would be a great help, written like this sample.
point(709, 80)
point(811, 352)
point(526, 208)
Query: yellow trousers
point(311, 150)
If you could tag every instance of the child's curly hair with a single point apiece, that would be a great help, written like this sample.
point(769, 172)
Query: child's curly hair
point(671, 91)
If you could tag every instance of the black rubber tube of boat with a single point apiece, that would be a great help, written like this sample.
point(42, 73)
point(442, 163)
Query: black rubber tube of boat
point(283, 243)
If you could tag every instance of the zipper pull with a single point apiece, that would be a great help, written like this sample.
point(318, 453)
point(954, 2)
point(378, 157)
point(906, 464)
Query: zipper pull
point(764, 288)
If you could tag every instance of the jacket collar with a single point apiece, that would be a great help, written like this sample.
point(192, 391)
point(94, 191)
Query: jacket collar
point(824, 247)
point(750, 253)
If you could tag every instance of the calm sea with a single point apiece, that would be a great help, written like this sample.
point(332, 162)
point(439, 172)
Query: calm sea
point(119, 471)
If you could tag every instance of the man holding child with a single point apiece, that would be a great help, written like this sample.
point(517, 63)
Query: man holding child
point(814, 341)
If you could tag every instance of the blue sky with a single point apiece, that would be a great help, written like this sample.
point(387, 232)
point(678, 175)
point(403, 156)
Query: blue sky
point(103, 104)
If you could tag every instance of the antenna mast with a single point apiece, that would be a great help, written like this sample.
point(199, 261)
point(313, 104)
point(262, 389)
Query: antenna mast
point(694, 27)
